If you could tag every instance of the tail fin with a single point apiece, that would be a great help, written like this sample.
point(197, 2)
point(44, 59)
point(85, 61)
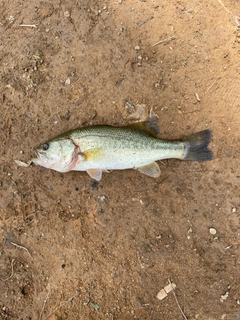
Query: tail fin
point(197, 146)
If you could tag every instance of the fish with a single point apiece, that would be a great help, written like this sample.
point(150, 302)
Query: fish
point(100, 148)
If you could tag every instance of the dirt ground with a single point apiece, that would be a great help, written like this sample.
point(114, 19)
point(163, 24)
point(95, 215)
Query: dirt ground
point(72, 248)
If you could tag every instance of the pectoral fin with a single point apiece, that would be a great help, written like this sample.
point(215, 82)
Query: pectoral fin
point(95, 174)
point(151, 170)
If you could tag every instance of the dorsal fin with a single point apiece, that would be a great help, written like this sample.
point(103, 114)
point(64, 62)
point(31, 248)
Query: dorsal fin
point(149, 126)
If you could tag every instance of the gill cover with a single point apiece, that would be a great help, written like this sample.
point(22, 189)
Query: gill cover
point(60, 155)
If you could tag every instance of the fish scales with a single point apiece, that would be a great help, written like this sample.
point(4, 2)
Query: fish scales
point(120, 144)
point(100, 148)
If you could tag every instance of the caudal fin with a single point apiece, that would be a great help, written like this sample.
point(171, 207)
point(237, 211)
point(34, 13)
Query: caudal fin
point(197, 146)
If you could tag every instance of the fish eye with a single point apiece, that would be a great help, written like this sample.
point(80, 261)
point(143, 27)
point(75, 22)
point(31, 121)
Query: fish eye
point(45, 147)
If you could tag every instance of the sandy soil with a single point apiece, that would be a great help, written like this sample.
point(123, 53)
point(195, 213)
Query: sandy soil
point(104, 250)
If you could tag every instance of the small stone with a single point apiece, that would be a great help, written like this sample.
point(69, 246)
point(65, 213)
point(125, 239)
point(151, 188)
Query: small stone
point(225, 296)
point(102, 198)
point(234, 210)
point(137, 48)
point(66, 14)
point(68, 81)
point(212, 231)
point(161, 294)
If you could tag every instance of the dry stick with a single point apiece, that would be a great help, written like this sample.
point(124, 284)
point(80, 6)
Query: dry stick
point(141, 23)
point(165, 40)
point(222, 4)
point(177, 301)
point(210, 87)
point(44, 304)
point(236, 18)
point(28, 25)
point(18, 246)
point(11, 273)
point(60, 306)
point(129, 104)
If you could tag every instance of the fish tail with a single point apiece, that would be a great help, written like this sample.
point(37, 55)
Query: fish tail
point(197, 146)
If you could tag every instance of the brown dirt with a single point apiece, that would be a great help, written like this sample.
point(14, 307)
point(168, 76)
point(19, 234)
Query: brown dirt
point(115, 244)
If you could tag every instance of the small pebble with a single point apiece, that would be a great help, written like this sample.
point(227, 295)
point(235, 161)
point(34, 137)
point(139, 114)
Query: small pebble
point(68, 81)
point(102, 198)
point(137, 48)
point(212, 231)
point(234, 210)
point(225, 296)
point(66, 14)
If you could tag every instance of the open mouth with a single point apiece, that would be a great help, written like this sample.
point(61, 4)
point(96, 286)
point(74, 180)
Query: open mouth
point(40, 160)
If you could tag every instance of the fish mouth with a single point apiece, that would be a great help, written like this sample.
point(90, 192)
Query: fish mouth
point(41, 159)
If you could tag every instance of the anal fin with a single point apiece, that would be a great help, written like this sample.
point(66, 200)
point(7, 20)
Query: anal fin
point(151, 170)
point(95, 174)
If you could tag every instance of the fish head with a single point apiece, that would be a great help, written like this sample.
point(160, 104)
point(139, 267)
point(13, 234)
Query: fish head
point(60, 155)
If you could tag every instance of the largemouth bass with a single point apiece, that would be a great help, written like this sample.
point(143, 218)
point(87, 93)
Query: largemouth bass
point(101, 148)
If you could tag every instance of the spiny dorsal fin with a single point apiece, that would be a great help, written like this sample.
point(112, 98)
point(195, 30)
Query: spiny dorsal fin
point(149, 126)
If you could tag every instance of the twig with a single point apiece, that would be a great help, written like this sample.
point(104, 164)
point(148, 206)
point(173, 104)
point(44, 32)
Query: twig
point(18, 246)
point(141, 23)
point(165, 40)
point(177, 301)
point(197, 96)
point(44, 304)
point(11, 273)
point(236, 18)
point(129, 104)
point(139, 260)
point(60, 306)
point(224, 6)
point(210, 87)
point(28, 25)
